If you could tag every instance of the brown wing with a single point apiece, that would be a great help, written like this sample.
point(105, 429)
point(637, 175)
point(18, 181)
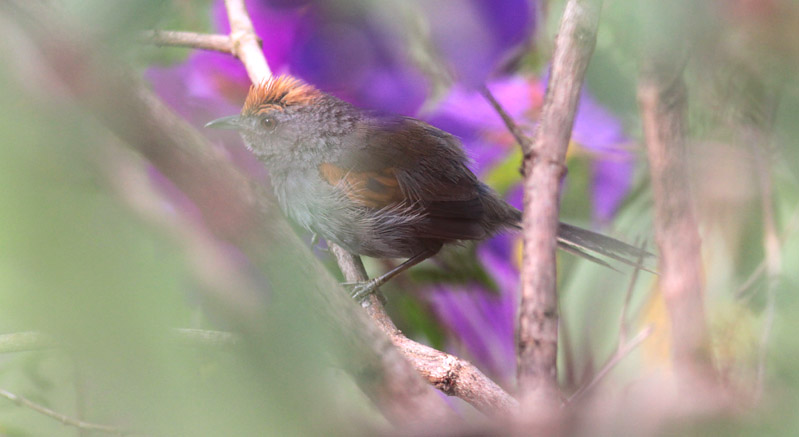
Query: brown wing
point(402, 160)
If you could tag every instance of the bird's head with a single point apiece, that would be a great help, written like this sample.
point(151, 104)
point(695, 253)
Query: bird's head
point(285, 119)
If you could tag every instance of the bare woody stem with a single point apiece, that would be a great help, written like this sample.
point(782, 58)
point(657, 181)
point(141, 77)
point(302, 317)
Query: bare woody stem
point(448, 373)
point(543, 168)
point(662, 98)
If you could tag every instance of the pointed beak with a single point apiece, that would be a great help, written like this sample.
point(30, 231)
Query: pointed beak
point(230, 122)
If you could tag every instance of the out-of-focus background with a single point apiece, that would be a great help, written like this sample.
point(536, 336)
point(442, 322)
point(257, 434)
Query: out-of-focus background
point(102, 252)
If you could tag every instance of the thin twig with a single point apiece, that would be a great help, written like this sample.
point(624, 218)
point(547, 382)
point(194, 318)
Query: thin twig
point(773, 250)
point(204, 41)
point(63, 418)
point(543, 169)
point(628, 296)
point(621, 352)
point(623, 346)
point(523, 140)
point(206, 338)
point(790, 228)
point(751, 279)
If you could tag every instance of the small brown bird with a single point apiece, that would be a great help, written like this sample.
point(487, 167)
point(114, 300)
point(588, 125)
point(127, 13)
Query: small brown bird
point(384, 186)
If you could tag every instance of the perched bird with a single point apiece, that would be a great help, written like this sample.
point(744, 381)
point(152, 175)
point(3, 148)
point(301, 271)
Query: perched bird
point(384, 186)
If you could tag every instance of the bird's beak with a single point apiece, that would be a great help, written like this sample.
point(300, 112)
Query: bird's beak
point(229, 122)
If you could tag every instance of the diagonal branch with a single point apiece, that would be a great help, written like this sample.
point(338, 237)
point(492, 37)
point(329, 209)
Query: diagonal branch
point(448, 373)
point(63, 418)
point(622, 350)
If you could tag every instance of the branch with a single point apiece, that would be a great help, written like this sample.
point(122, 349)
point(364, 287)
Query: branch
point(510, 124)
point(662, 98)
point(622, 350)
point(788, 231)
point(450, 374)
point(628, 296)
point(66, 420)
point(219, 43)
point(543, 169)
point(246, 44)
point(759, 135)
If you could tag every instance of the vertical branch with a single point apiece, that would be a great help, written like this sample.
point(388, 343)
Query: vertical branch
point(543, 169)
point(662, 98)
point(757, 121)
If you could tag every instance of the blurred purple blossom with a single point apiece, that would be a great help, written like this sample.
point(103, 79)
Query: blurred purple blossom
point(476, 35)
point(466, 114)
point(599, 131)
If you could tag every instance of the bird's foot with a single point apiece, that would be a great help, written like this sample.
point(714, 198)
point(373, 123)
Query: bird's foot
point(360, 291)
point(315, 244)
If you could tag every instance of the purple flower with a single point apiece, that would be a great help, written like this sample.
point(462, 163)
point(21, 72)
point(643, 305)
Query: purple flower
point(466, 114)
point(474, 36)
point(600, 132)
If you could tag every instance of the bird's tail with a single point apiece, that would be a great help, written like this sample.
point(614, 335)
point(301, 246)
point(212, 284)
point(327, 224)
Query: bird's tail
point(581, 242)
point(585, 243)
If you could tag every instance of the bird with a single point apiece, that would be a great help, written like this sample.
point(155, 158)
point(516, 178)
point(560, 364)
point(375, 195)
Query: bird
point(380, 185)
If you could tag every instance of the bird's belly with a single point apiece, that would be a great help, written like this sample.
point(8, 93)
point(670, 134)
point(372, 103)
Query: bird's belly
point(389, 232)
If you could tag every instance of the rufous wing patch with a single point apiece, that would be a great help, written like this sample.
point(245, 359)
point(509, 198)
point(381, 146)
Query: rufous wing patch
point(372, 189)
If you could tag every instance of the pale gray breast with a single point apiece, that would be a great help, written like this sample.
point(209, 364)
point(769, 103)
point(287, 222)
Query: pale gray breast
point(320, 207)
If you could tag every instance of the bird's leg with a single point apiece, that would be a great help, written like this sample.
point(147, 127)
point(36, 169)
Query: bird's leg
point(361, 290)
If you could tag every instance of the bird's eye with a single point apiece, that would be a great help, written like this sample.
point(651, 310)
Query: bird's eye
point(268, 123)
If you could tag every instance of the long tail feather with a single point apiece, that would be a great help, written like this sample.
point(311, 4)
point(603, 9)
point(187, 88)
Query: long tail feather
point(579, 241)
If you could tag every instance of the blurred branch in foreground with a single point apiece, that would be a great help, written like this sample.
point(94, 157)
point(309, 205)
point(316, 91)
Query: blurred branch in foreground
point(662, 96)
point(66, 420)
point(236, 212)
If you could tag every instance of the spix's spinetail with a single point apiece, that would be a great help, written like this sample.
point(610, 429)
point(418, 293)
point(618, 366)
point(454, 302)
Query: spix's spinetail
point(384, 186)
